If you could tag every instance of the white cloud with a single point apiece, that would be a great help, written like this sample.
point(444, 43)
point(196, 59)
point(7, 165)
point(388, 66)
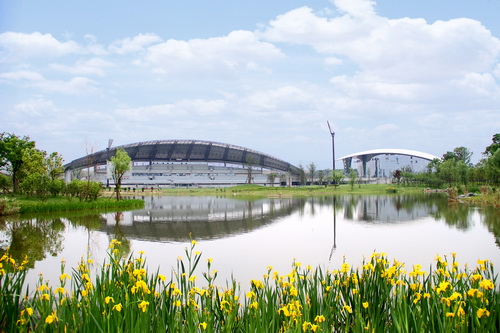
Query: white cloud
point(220, 56)
point(17, 45)
point(135, 44)
point(404, 50)
point(93, 66)
point(34, 107)
point(76, 86)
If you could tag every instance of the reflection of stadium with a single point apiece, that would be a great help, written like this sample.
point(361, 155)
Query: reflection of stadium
point(380, 163)
point(389, 209)
point(169, 218)
point(186, 163)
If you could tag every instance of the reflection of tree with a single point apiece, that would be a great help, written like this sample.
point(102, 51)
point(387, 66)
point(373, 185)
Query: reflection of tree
point(491, 216)
point(119, 235)
point(90, 222)
point(457, 215)
point(34, 238)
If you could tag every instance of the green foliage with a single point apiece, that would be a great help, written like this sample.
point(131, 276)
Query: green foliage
point(352, 178)
point(337, 176)
point(4, 182)
point(491, 149)
point(120, 164)
point(57, 205)
point(391, 190)
point(122, 295)
point(36, 184)
point(8, 206)
point(83, 190)
point(11, 148)
point(54, 165)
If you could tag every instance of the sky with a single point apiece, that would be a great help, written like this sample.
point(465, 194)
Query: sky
point(266, 75)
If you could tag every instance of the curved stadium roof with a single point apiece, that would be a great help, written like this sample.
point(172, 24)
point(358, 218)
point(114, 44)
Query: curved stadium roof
point(375, 152)
point(185, 151)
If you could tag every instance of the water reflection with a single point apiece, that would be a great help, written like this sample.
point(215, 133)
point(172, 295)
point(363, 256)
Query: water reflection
point(166, 219)
point(174, 219)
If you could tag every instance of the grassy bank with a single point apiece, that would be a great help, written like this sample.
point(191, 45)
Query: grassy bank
point(267, 191)
point(59, 204)
point(378, 296)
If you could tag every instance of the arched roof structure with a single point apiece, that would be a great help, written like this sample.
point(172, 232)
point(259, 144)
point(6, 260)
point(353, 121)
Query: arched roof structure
point(186, 151)
point(369, 154)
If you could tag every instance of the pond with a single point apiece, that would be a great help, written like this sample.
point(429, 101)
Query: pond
point(243, 237)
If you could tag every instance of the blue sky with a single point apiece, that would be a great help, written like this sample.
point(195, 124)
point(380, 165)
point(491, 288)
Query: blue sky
point(267, 75)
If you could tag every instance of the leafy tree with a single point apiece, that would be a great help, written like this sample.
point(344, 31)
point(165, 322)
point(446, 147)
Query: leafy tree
point(55, 166)
point(302, 175)
point(491, 149)
point(321, 176)
point(36, 184)
point(33, 163)
point(283, 178)
point(397, 174)
point(120, 163)
point(463, 154)
point(271, 178)
point(250, 163)
point(352, 178)
point(494, 164)
point(11, 148)
point(4, 183)
point(337, 177)
point(448, 171)
point(312, 170)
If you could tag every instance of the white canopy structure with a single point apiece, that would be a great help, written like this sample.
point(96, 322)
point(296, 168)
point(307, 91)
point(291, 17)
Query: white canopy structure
point(390, 160)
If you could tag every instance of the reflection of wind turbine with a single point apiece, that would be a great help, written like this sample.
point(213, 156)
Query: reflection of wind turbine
point(334, 247)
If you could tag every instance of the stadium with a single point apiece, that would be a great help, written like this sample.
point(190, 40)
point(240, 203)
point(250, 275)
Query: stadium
point(381, 163)
point(186, 163)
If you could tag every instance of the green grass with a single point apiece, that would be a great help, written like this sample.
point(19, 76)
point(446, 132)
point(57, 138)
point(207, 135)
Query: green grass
point(311, 190)
point(121, 295)
point(58, 204)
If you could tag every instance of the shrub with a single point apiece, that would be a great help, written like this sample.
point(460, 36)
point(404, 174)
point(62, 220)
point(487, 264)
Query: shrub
point(8, 207)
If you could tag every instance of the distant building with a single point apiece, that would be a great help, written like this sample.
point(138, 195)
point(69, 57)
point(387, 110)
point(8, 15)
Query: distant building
point(185, 163)
point(381, 163)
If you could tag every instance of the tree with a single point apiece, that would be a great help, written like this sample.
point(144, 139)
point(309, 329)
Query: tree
point(463, 154)
point(271, 177)
point(312, 170)
point(321, 176)
point(120, 163)
point(11, 148)
point(302, 175)
point(337, 177)
point(448, 171)
point(397, 174)
point(55, 166)
point(250, 164)
point(352, 178)
point(491, 149)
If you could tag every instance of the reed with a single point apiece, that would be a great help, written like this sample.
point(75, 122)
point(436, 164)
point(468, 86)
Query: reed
point(378, 296)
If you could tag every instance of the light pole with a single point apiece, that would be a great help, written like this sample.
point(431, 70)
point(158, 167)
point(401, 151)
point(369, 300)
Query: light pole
point(333, 145)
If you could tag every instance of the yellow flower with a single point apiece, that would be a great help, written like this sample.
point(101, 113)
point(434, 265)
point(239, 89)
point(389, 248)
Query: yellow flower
point(254, 305)
point(192, 278)
point(319, 319)
point(85, 293)
point(161, 277)
point(118, 307)
point(347, 308)
point(483, 312)
point(60, 290)
point(486, 284)
point(109, 299)
point(461, 312)
point(418, 296)
point(141, 253)
point(203, 325)
point(178, 303)
point(193, 242)
point(365, 305)
point(29, 311)
point(305, 326)
point(45, 297)
point(450, 314)
point(250, 294)
point(51, 318)
point(64, 277)
point(476, 277)
point(90, 261)
point(143, 305)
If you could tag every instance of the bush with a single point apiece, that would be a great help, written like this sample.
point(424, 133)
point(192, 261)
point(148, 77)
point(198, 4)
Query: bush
point(391, 190)
point(8, 207)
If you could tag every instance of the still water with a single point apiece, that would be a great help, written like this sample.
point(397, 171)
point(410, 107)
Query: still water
point(243, 237)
